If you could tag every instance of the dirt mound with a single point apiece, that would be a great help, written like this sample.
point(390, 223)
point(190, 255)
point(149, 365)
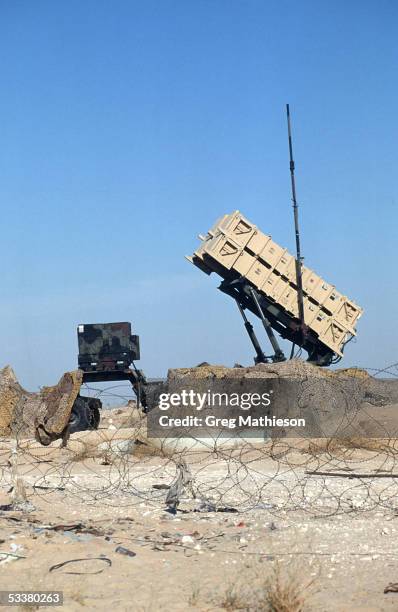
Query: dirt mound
point(294, 368)
point(375, 391)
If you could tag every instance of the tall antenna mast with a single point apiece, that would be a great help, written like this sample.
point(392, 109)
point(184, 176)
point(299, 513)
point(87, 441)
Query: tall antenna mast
point(299, 259)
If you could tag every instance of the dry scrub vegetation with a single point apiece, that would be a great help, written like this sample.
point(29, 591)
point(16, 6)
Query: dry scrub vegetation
point(285, 590)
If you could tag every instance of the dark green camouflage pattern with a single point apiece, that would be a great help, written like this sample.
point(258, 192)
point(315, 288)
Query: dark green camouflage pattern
point(106, 346)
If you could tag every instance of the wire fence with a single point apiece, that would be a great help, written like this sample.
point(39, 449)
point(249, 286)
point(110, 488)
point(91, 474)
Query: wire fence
point(119, 465)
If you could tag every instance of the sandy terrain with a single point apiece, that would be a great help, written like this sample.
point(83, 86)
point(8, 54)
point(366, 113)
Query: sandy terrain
point(276, 523)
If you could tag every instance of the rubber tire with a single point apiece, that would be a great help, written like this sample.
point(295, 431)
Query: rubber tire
point(85, 415)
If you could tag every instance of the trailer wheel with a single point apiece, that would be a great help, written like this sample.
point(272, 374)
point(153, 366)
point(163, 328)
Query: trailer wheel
point(85, 414)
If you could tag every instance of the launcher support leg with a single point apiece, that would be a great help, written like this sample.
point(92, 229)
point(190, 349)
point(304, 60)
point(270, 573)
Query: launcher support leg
point(260, 357)
point(278, 353)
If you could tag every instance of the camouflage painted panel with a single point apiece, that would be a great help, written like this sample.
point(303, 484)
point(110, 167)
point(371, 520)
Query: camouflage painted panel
point(107, 340)
point(93, 337)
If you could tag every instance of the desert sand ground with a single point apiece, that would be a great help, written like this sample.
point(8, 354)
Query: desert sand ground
point(254, 529)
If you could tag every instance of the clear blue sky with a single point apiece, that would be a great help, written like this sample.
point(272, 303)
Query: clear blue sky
point(127, 128)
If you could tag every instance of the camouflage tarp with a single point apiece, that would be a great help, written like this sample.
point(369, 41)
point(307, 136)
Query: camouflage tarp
point(44, 414)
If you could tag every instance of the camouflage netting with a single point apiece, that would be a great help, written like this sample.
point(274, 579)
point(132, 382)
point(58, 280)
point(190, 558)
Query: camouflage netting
point(11, 399)
point(44, 414)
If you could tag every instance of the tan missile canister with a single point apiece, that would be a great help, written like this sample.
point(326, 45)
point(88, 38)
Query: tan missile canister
point(234, 245)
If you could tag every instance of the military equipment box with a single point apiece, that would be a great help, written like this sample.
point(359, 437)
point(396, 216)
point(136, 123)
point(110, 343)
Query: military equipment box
point(234, 247)
point(106, 346)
